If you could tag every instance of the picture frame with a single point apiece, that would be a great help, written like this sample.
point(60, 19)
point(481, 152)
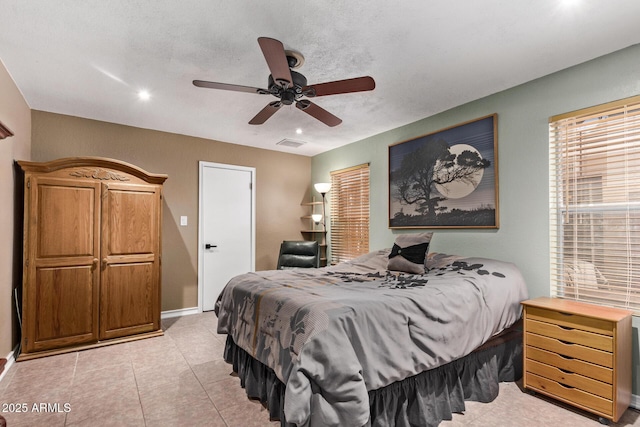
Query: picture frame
point(446, 179)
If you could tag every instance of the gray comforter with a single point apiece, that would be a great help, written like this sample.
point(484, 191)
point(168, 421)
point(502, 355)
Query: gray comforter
point(332, 334)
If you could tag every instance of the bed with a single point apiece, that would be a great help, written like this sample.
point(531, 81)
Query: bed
point(358, 344)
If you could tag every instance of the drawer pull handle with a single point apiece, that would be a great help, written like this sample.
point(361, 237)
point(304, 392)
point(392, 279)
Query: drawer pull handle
point(566, 357)
point(565, 314)
point(566, 342)
point(566, 328)
point(566, 386)
point(565, 371)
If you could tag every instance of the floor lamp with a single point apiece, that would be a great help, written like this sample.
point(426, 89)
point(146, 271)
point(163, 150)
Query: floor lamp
point(323, 188)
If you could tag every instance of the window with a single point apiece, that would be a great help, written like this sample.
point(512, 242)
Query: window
point(349, 213)
point(595, 204)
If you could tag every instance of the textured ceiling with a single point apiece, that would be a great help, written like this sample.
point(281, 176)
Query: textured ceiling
point(89, 58)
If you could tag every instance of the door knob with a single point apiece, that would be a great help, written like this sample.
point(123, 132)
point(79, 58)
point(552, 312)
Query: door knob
point(209, 246)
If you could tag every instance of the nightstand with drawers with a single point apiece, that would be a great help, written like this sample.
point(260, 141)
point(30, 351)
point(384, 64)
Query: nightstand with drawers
point(578, 353)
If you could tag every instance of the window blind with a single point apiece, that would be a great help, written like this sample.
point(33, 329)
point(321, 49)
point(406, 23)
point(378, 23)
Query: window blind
point(595, 204)
point(349, 213)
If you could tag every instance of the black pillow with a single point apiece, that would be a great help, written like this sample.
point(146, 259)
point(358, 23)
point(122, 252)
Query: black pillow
point(409, 253)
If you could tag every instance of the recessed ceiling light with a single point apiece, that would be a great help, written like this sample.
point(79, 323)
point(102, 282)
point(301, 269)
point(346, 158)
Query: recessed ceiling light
point(299, 131)
point(144, 95)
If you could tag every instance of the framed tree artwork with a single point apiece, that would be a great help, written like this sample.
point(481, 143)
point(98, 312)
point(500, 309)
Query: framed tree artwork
point(446, 179)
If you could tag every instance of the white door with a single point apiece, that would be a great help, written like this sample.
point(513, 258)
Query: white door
point(226, 227)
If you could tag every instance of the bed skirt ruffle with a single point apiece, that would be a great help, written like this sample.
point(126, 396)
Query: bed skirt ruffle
point(422, 400)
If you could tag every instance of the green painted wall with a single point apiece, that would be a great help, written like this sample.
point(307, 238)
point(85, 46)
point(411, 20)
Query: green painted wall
point(523, 115)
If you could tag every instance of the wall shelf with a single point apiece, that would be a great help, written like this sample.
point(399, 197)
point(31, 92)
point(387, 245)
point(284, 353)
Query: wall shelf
point(311, 231)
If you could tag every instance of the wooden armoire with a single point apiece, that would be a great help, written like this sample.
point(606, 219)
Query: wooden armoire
point(91, 262)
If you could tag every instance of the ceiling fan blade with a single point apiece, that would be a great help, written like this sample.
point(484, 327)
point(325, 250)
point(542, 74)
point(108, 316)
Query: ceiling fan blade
point(358, 84)
point(225, 86)
point(265, 113)
point(273, 51)
point(318, 112)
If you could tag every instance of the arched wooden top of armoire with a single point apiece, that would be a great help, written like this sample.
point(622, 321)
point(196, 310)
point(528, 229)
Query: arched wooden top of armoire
point(100, 163)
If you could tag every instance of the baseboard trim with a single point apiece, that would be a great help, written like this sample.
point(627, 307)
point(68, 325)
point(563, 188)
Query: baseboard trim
point(635, 401)
point(11, 358)
point(179, 312)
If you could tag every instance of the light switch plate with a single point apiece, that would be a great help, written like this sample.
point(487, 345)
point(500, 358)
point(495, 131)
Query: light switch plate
point(183, 221)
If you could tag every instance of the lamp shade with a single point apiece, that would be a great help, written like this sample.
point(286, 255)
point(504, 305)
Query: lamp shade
point(316, 218)
point(322, 187)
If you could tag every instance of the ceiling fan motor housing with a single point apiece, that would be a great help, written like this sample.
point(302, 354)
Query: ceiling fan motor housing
point(290, 94)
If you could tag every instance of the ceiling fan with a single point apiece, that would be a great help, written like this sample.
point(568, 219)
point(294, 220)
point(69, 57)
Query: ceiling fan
point(290, 86)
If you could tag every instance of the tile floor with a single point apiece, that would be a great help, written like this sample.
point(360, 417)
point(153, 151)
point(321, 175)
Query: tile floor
point(180, 379)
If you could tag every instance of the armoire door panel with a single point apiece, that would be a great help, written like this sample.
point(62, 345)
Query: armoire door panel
point(130, 297)
point(65, 298)
point(131, 221)
point(66, 217)
point(127, 299)
point(61, 283)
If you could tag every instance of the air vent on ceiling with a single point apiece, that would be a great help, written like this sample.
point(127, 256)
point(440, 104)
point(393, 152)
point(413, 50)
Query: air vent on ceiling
point(291, 143)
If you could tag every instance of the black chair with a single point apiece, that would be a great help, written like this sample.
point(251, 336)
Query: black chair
point(299, 254)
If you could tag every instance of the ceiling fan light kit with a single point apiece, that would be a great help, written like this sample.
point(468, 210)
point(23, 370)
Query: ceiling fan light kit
point(290, 86)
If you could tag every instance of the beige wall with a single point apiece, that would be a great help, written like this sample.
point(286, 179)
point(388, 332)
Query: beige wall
point(283, 181)
point(15, 115)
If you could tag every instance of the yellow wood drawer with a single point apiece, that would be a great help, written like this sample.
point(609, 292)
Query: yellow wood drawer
point(570, 379)
point(577, 351)
point(575, 321)
point(570, 335)
point(569, 394)
point(578, 366)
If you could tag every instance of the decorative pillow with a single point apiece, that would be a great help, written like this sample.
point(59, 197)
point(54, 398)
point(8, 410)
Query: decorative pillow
point(409, 253)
